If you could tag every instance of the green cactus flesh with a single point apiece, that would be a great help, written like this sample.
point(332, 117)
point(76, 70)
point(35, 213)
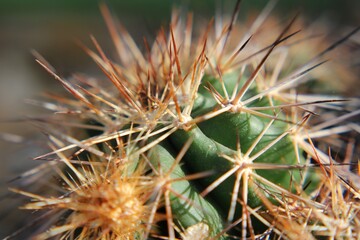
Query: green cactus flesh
point(189, 209)
point(218, 136)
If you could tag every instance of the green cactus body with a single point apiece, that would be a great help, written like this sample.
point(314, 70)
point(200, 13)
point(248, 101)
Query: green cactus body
point(229, 128)
point(191, 208)
point(210, 141)
point(219, 135)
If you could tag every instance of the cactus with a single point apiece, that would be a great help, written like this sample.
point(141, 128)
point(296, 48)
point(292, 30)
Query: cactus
point(197, 141)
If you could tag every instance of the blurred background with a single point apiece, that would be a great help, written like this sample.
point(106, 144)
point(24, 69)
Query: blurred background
point(52, 28)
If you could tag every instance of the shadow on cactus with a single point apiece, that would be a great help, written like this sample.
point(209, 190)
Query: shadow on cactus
point(199, 138)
